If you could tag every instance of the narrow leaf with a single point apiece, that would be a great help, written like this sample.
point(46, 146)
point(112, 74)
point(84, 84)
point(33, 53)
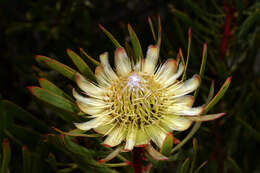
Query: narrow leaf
point(189, 136)
point(110, 36)
point(59, 67)
point(135, 42)
point(6, 156)
point(89, 57)
point(235, 166)
point(211, 92)
point(188, 55)
point(20, 114)
point(202, 67)
point(218, 96)
point(152, 28)
point(194, 154)
point(167, 144)
point(201, 166)
point(159, 32)
point(111, 155)
point(185, 166)
point(54, 99)
point(48, 85)
point(81, 65)
point(27, 136)
point(76, 132)
point(27, 160)
point(155, 154)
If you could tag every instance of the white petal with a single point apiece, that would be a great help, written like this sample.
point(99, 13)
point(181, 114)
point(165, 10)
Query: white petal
point(166, 71)
point(187, 87)
point(94, 123)
point(141, 138)
point(156, 134)
point(88, 87)
point(89, 101)
point(175, 122)
point(151, 59)
point(206, 117)
point(102, 78)
point(131, 138)
point(103, 129)
point(186, 100)
point(189, 112)
point(107, 68)
point(122, 62)
point(179, 104)
point(115, 137)
point(174, 77)
point(91, 110)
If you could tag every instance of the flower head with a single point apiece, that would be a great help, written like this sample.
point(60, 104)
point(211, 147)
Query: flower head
point(137, 102)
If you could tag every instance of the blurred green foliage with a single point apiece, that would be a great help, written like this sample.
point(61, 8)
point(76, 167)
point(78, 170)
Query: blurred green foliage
point(28, 142)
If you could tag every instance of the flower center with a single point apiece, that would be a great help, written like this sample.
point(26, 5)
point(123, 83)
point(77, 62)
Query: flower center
point(136, 100)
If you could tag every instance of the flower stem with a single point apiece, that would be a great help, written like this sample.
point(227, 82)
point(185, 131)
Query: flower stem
point(137, 161)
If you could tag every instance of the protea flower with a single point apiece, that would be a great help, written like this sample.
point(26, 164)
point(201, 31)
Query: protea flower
point(137, 102)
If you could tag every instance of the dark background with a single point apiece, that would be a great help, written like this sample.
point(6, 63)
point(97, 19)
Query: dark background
point(231, 29)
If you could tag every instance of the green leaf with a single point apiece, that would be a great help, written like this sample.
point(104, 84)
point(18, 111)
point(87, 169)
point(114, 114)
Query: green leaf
point(52, 162)
point(54, 99)
point(167, 145)
point(211, 92)
point(194, 154)
point(59, 67)
point(48, 85)
point(6, 156)
point(110, 36)
point(159, 32)
point(202, 67)
point(191, 133)
point(254, 133)
point(152, 28)
point(218, 96)
point(79, 150)
point(248, 24)
point(135, 42)
point(201, 166)
point(188, 55)
point(81, 65)
point(185, 166)
point(95, 62)
point(235, 166)
point(12, 110)
point(112, 155)
point(26, 136)
point(27, 160)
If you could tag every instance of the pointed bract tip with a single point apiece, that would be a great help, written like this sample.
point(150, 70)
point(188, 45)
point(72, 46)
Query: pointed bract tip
point(229, 78)
point(5, 141)
point(101, 161)
point(106, 145)
point(100, 26)
point(205, 46)
point(189, 32)
point(141, 146)
point(30, 88)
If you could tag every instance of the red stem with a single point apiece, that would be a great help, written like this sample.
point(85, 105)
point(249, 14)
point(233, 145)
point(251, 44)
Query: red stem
point(138, 158)
point(229, 10)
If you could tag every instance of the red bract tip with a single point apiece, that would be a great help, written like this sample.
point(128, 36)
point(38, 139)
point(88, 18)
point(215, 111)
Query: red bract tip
point(101, 161)
point(106, 145)
point(5, 141)
point(189, 33)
